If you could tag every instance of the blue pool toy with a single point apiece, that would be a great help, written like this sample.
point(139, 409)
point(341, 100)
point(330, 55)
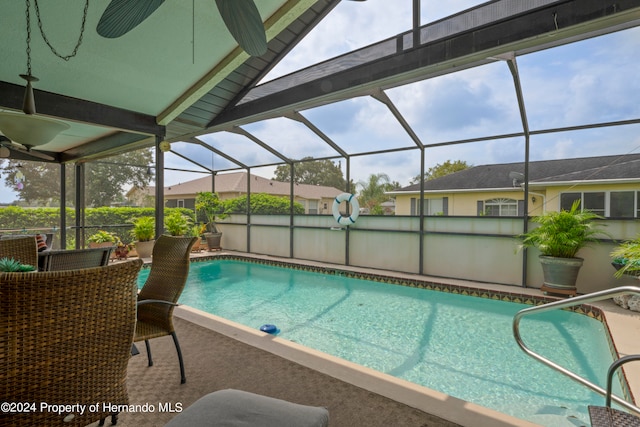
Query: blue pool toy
point(270, 329)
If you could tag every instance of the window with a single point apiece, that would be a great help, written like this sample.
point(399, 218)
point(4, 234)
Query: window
point(432, 207)
point(181, 203)
point(594, 202)
point(501, 207)
point(313, 206)
point(613, 204)
point(621, 204)
point(567, 199)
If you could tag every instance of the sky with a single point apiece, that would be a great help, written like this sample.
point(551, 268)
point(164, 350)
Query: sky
point(595, 80)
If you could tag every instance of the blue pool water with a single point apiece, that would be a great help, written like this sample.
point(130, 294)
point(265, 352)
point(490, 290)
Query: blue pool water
point(460, 345)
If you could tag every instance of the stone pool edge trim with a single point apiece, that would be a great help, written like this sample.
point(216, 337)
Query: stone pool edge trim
point(430, 401)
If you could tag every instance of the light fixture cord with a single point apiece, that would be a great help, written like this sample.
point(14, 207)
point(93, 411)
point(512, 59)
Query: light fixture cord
point(28, 38)
point(46, 40)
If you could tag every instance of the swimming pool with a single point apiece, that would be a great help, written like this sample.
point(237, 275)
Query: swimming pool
point(457, 344)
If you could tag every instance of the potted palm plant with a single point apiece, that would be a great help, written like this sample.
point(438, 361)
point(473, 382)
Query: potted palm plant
point(144, 229)
point(626, 258)
point(177, 223)
point(210, 205)
point(559, 236)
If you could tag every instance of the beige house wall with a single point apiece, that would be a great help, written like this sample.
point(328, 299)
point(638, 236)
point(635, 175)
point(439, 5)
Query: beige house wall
point(462, 203)
point(553, 192)
point(540, 199)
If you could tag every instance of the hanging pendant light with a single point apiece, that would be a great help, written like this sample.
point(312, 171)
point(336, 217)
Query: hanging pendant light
point(28, 129)
point(29, 102)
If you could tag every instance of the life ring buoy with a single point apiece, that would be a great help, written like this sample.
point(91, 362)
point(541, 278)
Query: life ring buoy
point(355, 209)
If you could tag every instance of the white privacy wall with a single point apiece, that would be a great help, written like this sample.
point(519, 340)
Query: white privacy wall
point(468, 248)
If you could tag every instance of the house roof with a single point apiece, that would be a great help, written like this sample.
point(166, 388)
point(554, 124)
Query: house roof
point(548, 172)
point(236, 182)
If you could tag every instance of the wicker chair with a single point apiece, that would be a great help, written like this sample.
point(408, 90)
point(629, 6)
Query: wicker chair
point(75, 259)
point(23, 249)
point(160, 293)
point(65, 338)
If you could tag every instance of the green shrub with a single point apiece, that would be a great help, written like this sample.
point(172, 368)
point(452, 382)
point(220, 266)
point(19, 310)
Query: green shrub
point(262, 204)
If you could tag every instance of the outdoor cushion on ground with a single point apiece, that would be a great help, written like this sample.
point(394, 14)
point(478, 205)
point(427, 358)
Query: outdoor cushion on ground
point(235, 408)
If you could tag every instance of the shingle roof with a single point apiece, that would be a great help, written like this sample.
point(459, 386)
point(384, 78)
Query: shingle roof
point(564, 170)
point(236, 182)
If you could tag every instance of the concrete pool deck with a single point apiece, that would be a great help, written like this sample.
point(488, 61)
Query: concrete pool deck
point(624, 326)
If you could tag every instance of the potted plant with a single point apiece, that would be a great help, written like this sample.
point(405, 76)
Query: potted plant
point(12, 265)
point(197, 230)
point(210, 205)
point(559, 236)
point(177, 223)
point(122, 250)
point(626, 258)
point(102, 238)
point(144, 229)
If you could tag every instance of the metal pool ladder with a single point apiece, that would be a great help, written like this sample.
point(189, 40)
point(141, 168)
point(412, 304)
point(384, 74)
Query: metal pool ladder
point(601, 416)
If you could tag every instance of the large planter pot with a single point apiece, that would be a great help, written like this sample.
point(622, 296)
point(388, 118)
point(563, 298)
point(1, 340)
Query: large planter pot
point(213, 241)
point(560, 273)
point(144, 249)
point(197, 246)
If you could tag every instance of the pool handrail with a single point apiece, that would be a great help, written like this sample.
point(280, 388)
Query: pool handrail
point(592, 297)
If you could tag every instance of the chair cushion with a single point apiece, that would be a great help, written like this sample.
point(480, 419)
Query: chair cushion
point(41, 241)
point(46, 238)
point(235, 408)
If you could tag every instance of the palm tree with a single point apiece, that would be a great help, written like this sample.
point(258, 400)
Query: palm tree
point(371, 193)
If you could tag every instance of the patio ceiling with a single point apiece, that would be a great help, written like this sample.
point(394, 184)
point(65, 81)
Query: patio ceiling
point(118, 94)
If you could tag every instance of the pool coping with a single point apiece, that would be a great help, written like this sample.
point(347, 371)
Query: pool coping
point(622, 326)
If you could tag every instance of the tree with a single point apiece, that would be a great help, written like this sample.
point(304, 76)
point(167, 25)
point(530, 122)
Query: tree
point(440, 170)
point(371, 193)
point(105, 180)
point(314, 172)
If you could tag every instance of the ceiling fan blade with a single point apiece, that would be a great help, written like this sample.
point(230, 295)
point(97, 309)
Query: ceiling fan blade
point(244, 22)
point(122, 16)
point(23, 149)
point(28, 152)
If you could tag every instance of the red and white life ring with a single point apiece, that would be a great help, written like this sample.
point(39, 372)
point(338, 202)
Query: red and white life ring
point(355, 209)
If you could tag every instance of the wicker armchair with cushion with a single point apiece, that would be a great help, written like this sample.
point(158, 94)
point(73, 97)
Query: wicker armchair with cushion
point(20, 248)
point(160, 293)
point(57, 260)
point(65, 338)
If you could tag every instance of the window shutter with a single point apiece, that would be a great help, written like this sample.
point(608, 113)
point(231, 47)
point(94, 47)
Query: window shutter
point(445, 206)
point(521, 211)
point(413, 206)
point(480, 207)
